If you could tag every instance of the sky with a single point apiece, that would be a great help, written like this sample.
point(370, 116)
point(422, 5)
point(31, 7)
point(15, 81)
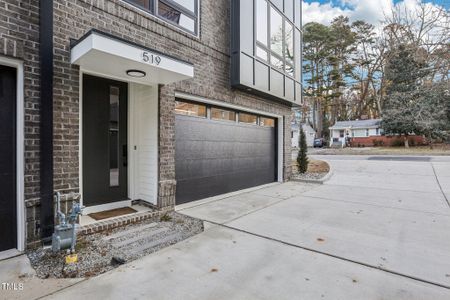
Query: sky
point(372, 11)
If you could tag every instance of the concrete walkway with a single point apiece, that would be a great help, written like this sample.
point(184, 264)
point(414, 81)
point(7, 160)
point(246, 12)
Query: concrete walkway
point(378, 229)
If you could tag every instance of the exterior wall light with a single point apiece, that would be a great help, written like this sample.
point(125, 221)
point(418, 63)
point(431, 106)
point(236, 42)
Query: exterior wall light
point(136, 73)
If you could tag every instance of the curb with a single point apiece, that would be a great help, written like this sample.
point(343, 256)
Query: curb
point(317, 181)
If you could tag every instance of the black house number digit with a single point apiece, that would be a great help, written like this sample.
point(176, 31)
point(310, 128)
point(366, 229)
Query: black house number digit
point(151, 58)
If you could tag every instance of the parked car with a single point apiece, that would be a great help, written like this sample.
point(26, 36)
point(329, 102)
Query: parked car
point(318, 143)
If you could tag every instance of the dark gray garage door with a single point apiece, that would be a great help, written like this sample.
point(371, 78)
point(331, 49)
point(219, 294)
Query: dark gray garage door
point(216, 157)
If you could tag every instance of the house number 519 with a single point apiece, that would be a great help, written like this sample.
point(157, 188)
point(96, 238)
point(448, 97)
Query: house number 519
point(151, 58)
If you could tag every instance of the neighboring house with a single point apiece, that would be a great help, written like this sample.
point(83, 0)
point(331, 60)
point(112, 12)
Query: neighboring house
point(295, 135)
point(343, 131)
point(131, 100)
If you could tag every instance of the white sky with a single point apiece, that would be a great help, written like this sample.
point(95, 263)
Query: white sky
point(371, 11)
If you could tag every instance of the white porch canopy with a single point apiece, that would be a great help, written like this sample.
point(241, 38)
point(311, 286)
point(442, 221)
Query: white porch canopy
point(101, 54)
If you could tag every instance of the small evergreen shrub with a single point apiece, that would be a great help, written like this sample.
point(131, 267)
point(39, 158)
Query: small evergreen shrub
point(302, 157)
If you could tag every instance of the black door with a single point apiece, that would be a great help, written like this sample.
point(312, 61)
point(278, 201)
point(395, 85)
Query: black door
point(104, 140)
point(214, 157)
point(8, 219)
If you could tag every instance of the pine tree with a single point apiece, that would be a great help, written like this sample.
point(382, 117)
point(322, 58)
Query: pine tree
point(405, 74)
point(302, 157)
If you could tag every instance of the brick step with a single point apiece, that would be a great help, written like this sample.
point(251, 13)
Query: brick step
point(121, 234)
point(122, 221)
point(139, 237)
point(168, 239)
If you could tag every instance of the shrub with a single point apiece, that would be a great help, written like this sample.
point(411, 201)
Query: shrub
point(397, 143)
point(412, 142)
point(302, 157)
point(378, 143)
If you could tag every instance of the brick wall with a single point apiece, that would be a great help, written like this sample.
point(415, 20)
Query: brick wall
point(209, 53)
point(19, 39)
point(385, 141)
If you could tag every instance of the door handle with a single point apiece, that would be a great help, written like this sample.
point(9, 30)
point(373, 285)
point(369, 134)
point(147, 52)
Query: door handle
point(125, 155)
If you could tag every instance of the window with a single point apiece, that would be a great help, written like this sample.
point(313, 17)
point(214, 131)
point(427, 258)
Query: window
point(222, 114)
point(268, 122)
point(176, 15)
point(248, 118)
point(261, 22)
point(289, 9)
point(141, 3)
point(261, 53)
point(181, 13)
point(190, 109)
point(341, 133)
point(367, 132)
point(114, 93)
point(274, 36)
point(289, 48)
point(276, 32)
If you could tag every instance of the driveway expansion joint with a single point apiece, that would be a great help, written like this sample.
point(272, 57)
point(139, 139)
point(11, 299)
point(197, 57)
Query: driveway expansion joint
point(335, 256)
point(440, 186)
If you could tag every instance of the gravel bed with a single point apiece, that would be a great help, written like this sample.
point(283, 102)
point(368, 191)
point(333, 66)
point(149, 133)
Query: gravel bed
point(103, 251)
point(310, 176)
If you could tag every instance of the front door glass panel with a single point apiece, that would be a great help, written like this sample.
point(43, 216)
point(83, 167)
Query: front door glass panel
point(114, 93)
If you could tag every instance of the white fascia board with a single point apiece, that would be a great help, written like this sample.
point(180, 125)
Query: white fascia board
point(97, 43)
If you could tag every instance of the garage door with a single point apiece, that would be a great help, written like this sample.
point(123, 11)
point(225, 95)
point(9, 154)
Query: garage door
point(220, 151)
point(7, 158)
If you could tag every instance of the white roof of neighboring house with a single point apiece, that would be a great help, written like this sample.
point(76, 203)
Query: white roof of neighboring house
point(306, 128)
point(371, 123)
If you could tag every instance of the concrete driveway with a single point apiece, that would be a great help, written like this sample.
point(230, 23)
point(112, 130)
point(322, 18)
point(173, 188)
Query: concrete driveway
point(378, 229)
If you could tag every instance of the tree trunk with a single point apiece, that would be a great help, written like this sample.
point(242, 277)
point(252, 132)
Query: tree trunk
point(319, 120)
point(406, 141)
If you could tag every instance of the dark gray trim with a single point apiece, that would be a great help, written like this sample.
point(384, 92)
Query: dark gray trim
point(251, 84)
point(74, 42)
point(46, 117)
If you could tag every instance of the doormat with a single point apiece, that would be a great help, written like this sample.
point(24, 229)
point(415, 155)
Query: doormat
point(112, 213)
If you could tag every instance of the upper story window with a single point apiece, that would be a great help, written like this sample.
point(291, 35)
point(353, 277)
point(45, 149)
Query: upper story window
point(181, 13)
point(275, 36)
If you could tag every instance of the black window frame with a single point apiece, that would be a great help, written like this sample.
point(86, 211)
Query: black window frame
point(153, 10)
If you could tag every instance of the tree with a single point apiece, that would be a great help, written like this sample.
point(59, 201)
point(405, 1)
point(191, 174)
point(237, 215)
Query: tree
point(431, 112)
point(316, 50)
point(404, 74)
point(302, 156)
point(414, 103)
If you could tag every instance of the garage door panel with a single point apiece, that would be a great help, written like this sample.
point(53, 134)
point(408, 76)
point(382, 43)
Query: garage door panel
point(216, 157)
point(199, 188)
point(206, 168)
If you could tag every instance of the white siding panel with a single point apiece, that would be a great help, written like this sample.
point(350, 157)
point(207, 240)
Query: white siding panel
point(146, 142)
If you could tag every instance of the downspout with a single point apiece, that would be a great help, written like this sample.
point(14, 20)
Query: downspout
point(46, 118)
